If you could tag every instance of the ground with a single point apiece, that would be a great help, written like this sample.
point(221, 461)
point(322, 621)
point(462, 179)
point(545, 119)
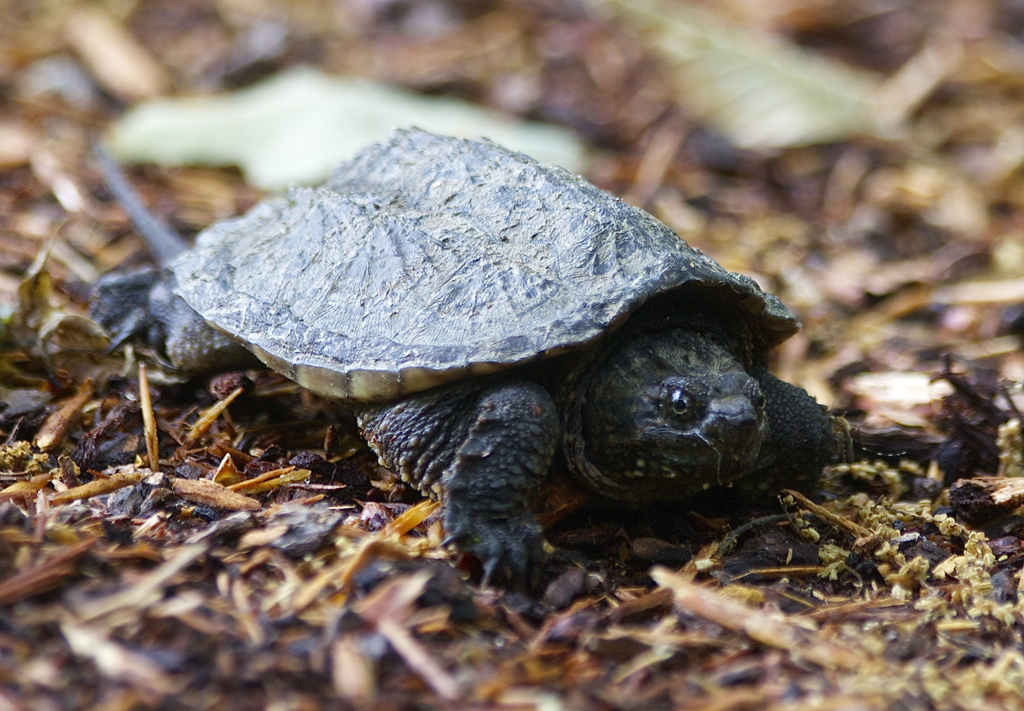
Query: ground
point(229, 542)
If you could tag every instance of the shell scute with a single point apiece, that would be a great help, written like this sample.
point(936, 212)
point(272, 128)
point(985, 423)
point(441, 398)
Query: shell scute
point(425, 259)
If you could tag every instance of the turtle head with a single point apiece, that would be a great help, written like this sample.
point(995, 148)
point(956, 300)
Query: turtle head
point(666, 414)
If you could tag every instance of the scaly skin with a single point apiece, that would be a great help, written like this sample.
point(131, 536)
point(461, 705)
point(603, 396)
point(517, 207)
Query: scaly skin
point(484, 448)
point(802, 439)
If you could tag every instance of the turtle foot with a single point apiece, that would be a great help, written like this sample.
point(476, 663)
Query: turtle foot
point(511, 549)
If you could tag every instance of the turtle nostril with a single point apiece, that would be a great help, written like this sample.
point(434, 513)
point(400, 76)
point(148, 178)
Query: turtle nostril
point(733, 427)
point(745, 421)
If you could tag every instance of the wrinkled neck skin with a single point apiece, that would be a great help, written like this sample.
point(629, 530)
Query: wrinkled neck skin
point(664, 413)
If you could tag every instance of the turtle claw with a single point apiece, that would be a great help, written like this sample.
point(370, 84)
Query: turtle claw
point(511, 549)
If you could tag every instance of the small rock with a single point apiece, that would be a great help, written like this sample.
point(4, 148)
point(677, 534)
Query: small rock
point(224, 384)
point(660, 552)
point(564, 589)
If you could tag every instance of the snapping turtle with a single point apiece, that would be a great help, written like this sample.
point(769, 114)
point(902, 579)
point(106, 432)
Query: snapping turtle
point(486, 316)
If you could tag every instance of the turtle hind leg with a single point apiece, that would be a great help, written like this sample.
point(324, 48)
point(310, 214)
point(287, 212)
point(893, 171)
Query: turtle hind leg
point(486, 449)
point(120, 303)
point(140, 305)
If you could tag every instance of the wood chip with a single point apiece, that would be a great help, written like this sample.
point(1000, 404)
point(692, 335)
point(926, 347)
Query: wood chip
point(44, 576)
point(147, 590)
point(339, 576)
point(210, 493)
point(351, 673)
point(61, 420)
point(982, 499)
point(227, 473)
point(69, 471)
point(274, 479)
point(1010, 291)
point(412, 518)
point(118, 61)
point(385, 608)
point(209, 417)
point(118, 663)
point(772, 629)
point(98, 487)
point(26, 487)
point(864, 535)
point(17, 143)
point(644, 603)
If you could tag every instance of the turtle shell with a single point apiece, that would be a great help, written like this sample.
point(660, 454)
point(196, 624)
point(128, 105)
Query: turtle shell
point(427, 258)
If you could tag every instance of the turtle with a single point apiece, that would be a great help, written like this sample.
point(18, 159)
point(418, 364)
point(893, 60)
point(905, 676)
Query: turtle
point(491, 319)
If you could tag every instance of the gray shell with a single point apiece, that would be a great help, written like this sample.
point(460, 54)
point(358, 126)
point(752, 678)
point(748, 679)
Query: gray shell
point(426, 259)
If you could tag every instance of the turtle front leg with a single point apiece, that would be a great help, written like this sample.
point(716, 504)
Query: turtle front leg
point(484, 450)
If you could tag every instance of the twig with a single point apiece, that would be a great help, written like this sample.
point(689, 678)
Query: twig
point(57, 425)
point(148, 420)
point(209, 417)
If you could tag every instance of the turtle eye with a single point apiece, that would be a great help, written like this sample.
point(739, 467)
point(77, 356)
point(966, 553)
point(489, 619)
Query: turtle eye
point(681, 407)
point(760, 400)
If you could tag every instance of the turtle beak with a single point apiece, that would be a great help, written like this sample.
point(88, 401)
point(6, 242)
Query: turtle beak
point(735, 421)
point(735, 429)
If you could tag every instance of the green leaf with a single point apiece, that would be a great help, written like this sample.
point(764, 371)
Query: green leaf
point(760, 91)
point(296, 126)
